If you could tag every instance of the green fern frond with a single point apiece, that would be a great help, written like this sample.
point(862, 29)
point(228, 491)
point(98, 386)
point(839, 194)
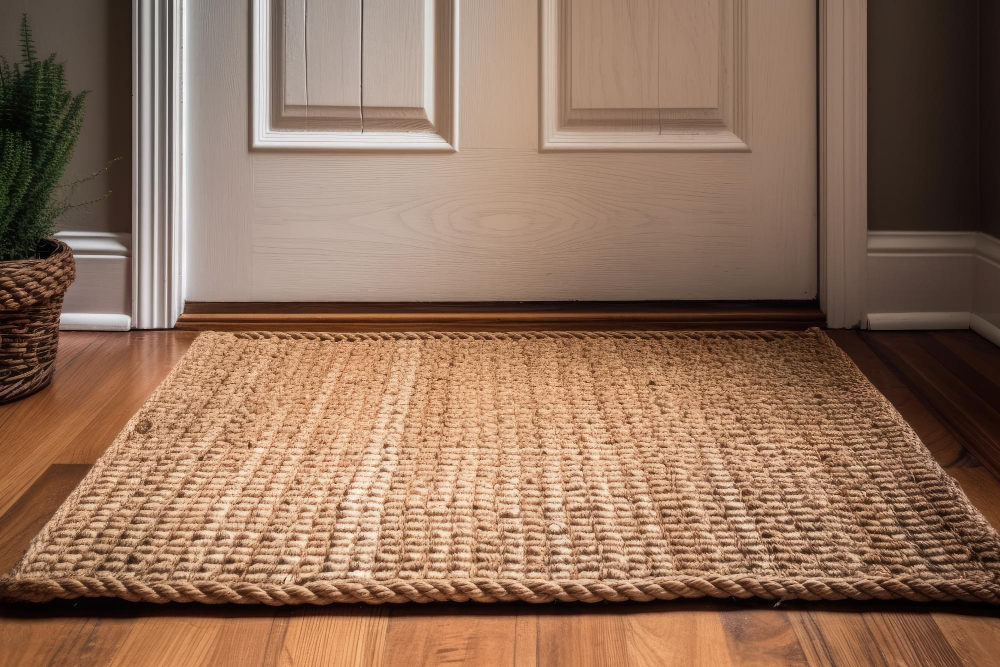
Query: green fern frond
point(40, 122)
point(91, 176)
point(27, 41)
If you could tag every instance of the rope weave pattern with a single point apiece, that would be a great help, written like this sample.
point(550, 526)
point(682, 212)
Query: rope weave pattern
point(31, 295)
point(279, 468)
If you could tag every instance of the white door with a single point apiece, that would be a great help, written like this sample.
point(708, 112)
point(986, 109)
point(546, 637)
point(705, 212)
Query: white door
point(481, 150)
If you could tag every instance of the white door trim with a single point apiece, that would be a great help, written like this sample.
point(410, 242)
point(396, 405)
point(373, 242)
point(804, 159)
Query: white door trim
point(843, 160)
point(158, 163)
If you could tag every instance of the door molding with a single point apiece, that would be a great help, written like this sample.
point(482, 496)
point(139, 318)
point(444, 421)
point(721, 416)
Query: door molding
point(265, 114)
point(725, 128)
point(158, 197)
point(157, 164)
point(843, 161)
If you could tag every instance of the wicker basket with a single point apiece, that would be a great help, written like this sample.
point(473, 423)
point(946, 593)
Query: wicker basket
point(31, 296)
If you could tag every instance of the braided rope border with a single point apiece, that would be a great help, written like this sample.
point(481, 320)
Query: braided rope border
point(321, 592)
point(391, 336)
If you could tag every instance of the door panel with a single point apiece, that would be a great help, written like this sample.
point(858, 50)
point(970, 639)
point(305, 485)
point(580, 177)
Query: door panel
point(321, 67)
point(689, 54)
point(398, 65)
point(692, 177)
point(645, 75)
point(613, 54)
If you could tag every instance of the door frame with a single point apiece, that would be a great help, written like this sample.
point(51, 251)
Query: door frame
point(843, 161)
point(158, 211)
point(157, 163)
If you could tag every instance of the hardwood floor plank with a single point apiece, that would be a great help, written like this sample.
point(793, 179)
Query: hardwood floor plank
point(974, 350)
point(275, 644)
point(71, 632)
point(333, 636)
point(911, 639)
point(836, 638)
point(761, 637)
point(973, 419)
point(246, 641)
point(71, 344)
point(975, 638)
point(687, 634)
point(583, 637)
point(526, 639)
point(462, 634)
point(160, 641)
point(99, 638)
point(965, 369)
point(39, 642)
point(22, 521)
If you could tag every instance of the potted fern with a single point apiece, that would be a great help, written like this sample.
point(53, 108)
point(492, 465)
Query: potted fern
point(40, 121)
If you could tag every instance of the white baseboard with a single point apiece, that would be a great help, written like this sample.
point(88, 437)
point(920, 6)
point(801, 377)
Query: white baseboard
point(889, 321)
point(986, 329)
point(94, 322)
point(986, 300)
point(934, 280)
point(100, 298)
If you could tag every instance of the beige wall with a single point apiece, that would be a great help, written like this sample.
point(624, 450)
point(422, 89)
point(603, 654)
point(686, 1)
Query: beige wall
point(94, 38)
point(989, 97)
point(923, 114)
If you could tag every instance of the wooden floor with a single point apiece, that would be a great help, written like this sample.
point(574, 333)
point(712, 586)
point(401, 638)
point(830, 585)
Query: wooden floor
point(947, 385)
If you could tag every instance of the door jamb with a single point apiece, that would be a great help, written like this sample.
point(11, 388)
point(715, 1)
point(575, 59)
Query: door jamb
point(157, 149)
point(157, 164)
point(843, 161)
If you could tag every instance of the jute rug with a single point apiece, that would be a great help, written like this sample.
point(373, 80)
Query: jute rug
point(315, 468)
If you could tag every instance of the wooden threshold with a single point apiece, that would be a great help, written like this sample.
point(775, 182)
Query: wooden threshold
point(498, 316)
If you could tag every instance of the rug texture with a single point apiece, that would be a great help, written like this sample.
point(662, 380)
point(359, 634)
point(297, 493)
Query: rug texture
point(312, 468)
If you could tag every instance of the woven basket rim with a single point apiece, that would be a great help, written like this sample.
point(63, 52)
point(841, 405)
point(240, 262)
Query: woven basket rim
point(34, 281)
point(59, 250)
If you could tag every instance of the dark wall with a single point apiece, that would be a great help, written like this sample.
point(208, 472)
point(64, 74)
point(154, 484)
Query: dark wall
point(989, 98)
point(924, 115)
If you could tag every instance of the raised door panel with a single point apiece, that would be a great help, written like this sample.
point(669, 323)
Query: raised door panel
point(610, 77)
point(355, 75)
point(690, 49)
point(644, 75)
point(409, 68)
point(612, 54)
point(496, 47)
point(398, 64)
point(292, 66)
point(320, 65)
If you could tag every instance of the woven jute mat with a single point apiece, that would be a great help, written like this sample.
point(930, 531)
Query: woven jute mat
point(283, 468)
